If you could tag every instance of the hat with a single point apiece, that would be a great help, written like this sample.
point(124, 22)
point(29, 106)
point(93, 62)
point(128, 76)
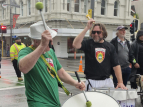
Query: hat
point(37, 29)
point(121, 27)
point(17, 38)
point(140, 33)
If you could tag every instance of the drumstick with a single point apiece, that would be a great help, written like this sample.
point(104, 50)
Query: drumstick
point(88, 103)
point(39, 6)
point(88, 17)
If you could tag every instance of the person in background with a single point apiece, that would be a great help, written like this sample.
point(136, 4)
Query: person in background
point(14, 50)
point(137, 65)
point(123, 51)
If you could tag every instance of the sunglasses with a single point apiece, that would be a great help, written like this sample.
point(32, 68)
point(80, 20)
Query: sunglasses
point(98, 32)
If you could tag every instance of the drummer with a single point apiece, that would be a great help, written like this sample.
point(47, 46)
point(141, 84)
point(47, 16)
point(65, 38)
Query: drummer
point(42, 86)
point(100, 57)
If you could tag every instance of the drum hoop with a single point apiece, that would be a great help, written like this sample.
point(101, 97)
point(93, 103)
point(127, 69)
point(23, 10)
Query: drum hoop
point(91, 91)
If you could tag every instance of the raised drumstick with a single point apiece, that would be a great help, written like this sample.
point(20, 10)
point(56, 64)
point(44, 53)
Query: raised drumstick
point(88, 103)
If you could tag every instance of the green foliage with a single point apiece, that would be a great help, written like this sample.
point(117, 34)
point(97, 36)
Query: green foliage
point(137, 16)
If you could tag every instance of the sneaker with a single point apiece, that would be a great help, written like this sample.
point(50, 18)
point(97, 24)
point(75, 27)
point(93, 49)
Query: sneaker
point(20, 79)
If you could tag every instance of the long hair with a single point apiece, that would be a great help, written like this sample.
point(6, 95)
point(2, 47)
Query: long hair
point(102, 28)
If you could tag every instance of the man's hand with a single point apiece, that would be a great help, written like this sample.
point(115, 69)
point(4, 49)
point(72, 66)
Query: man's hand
point(122, 86)
point(80, 86)
point(137, 65)
point(89, 23)
point(130, 65)
point(46, 38)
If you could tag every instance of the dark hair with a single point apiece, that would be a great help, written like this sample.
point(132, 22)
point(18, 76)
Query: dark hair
point(102, 28)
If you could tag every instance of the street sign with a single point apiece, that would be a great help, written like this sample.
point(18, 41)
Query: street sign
point(90, 13)
point(14, 36)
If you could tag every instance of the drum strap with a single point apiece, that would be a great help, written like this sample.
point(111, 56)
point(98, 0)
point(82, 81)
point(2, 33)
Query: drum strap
point(88, 84)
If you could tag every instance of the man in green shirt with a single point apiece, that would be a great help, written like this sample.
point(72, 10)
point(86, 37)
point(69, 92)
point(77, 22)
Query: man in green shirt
point(41, 85)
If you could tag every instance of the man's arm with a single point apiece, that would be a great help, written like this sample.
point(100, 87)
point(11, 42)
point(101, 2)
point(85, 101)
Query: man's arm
point(77, 41)
point(117, 70)
point(65, 77)
point(132, 57)
point(28, 62)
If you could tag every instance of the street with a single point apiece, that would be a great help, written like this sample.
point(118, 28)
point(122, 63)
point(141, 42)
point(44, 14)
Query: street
point(12, 92)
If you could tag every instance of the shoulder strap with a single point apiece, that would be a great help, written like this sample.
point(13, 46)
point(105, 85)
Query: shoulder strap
point(53, 71)
point(23, 44)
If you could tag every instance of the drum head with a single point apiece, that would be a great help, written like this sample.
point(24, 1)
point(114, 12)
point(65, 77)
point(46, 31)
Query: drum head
point(97, 99)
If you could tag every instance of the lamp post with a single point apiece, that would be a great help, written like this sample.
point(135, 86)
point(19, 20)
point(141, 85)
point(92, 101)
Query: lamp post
point(92, 7)
point(12, 4)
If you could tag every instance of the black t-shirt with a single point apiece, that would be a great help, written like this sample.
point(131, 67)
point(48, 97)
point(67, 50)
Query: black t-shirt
point(99, 59)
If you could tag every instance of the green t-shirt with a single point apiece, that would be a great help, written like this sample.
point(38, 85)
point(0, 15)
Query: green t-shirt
point(41, 87)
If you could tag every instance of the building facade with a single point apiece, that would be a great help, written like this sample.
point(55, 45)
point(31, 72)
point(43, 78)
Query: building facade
point(68, 18)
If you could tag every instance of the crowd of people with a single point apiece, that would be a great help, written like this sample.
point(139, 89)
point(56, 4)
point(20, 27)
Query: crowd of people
point(43, 72)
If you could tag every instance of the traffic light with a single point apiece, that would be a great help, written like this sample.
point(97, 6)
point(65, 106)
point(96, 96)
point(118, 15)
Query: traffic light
point(132, 28)
point(90, 13)
point(3, 29)
point(132, 38)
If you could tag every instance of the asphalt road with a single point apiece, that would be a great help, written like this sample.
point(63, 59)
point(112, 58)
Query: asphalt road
point(12, 92)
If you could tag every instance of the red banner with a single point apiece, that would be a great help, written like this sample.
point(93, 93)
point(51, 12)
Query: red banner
point(15, 16)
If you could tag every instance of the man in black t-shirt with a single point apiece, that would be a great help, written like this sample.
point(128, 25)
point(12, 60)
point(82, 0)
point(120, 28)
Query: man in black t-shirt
point(100, 57)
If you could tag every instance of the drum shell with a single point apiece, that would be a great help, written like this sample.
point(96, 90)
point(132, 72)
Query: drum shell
point(98, 99)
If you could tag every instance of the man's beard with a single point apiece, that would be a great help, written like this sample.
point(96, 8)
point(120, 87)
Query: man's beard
point(19, 43)
point(97, 41)
point(122, 36)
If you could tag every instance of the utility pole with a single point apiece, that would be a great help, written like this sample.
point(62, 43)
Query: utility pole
point(92, 7)
point(12, 4)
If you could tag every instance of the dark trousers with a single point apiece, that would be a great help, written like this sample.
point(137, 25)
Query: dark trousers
point(125, 75)
point(17, 71)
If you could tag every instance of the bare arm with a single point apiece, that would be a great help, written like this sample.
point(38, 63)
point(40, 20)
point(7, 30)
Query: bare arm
point(77, 41)
point(117, 70)
point(28, 62)
point(65, 77)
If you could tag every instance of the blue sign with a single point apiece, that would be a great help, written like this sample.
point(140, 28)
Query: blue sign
point(14, 36)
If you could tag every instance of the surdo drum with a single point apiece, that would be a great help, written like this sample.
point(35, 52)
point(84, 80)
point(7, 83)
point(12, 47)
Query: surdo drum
point(97, 99)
